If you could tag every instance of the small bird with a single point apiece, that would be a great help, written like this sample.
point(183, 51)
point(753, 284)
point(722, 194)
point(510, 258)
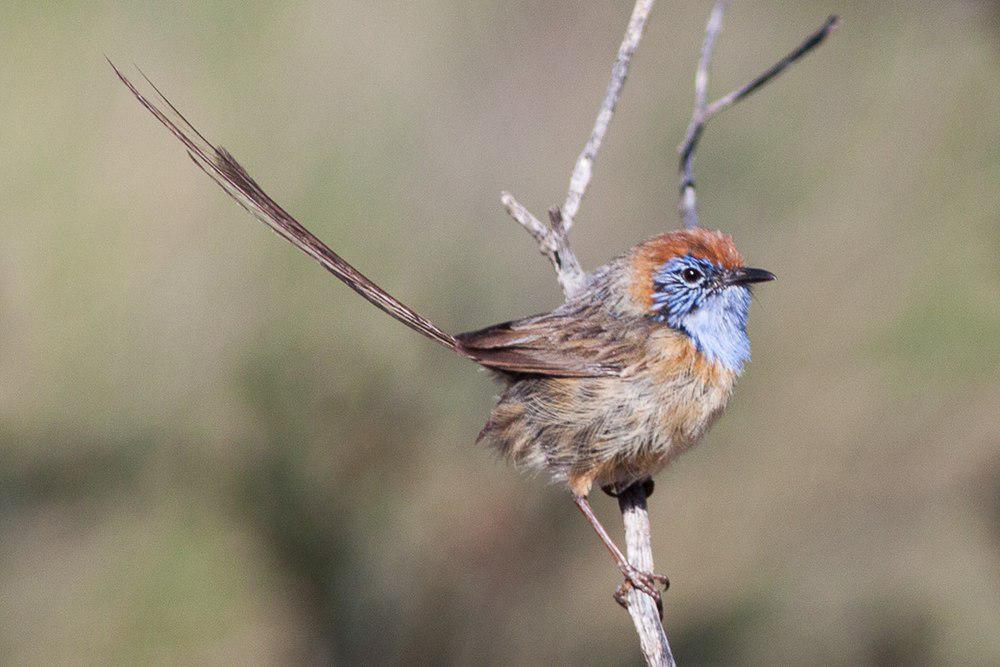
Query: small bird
point(606, 389)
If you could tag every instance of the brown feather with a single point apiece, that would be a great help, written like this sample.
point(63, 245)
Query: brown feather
point(575, 340)
point(222, 168)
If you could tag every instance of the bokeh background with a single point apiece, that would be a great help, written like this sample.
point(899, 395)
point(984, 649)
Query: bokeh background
point(211, 451)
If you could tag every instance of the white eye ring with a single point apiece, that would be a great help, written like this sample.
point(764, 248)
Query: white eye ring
point(692, 276)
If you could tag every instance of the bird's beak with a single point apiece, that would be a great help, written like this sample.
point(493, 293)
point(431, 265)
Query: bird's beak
point(746, 276)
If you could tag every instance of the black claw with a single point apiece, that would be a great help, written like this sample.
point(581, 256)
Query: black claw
point(610, 489)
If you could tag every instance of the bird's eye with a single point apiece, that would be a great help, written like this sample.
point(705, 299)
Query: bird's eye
point(691, 276)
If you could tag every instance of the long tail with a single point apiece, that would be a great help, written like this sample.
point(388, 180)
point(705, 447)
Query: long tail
point(227, 172)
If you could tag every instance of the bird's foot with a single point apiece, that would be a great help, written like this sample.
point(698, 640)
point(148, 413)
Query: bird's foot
point(621, 597)
point(647, 582)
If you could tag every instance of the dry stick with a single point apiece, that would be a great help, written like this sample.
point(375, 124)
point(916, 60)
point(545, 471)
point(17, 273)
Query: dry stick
point(703, 112)
point(584, 167)
point(655, 647)
point(553, 243)
point(700, 103)
point(552, 239)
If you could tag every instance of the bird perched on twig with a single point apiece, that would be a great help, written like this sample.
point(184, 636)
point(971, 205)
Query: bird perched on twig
point(604, 390)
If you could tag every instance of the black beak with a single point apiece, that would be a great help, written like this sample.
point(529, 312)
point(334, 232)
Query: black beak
point(746, 276)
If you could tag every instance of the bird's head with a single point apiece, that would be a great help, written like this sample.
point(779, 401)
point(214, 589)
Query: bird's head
point(695, 282)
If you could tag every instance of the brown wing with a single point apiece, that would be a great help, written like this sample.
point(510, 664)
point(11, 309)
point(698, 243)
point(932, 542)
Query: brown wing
point(227, 173)
point(564, 343)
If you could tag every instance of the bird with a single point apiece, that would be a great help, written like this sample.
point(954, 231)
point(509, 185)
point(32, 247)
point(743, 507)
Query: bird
point(603, 391)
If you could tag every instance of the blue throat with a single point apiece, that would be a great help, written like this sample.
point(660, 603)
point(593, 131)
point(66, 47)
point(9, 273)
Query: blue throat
point(713, 315)
point(718, 327)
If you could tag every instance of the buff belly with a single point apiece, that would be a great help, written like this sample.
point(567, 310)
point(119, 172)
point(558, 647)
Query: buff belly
point(609, 430)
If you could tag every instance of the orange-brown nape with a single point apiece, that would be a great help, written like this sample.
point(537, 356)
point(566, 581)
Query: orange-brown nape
point(649, 256)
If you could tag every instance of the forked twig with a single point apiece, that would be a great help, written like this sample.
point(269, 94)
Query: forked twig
point(703, 111)
point(552, 239)
point(552, 242)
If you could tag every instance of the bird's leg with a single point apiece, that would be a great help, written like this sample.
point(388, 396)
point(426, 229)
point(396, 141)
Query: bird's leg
point(647, 582)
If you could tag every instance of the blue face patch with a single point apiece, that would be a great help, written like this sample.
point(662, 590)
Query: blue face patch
point(691, 296)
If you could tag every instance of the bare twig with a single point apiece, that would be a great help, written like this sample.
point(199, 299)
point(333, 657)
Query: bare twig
point(712, 31)
point(655, 647)
point(552, 243)
point(552, 239)
point(584, 167)
point(704, 111)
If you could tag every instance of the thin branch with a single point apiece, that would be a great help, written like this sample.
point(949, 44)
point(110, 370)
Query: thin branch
point(551, 243)
point(703, 112)
point(712, 31)
point(553, 239)
point(829, 26)
point(655, 647)
point(584, 167)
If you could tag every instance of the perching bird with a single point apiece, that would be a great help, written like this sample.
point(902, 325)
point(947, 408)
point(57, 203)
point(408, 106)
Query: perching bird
point(606, 389)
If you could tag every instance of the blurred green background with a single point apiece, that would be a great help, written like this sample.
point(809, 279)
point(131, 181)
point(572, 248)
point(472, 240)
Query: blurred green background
point(212, 451)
